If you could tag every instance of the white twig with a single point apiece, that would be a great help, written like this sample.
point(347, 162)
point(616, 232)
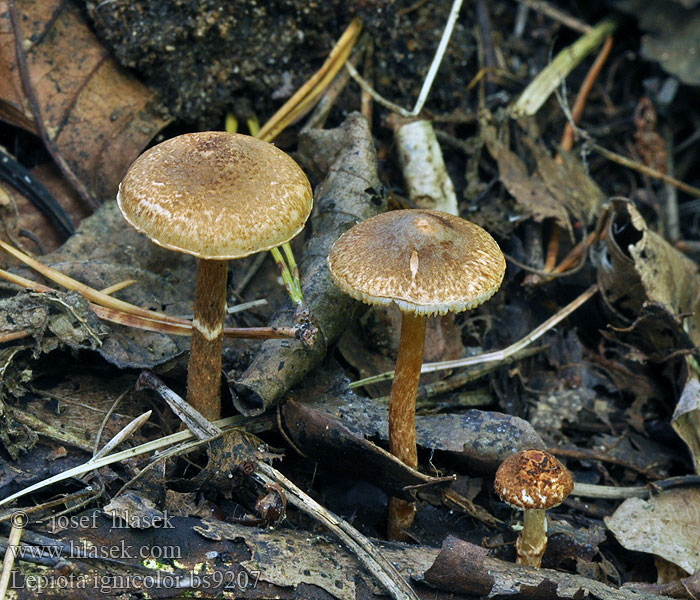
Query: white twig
point(497, 355)
point(429, 78)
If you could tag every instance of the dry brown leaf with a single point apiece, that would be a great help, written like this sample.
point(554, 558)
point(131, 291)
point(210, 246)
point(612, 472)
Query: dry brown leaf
point(552, 190)
point(667, 525)
point(94, 117)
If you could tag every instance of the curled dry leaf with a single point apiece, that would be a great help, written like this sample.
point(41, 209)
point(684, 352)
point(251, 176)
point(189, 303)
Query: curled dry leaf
point(667, 525)
point(93, 116)
point(646, 281)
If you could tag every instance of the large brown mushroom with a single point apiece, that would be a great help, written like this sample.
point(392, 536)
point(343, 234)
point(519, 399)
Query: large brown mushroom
point(533, 481)
point(217, 196)
point(427, 262)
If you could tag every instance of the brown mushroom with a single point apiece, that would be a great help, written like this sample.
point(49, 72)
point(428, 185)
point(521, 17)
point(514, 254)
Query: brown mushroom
point(217, 196)
point(533, 481)
point(428, 263)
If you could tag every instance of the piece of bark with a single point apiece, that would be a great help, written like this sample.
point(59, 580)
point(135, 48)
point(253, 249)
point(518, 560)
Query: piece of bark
point(350, 192)
point(465, 568)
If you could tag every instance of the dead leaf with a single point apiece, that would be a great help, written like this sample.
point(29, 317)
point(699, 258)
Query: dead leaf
point(94, 117)
point(551, 190)
point(667, 525)
point(686, 419)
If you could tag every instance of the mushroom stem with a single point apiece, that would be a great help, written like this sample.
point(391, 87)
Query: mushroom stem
point(204, 368)
point(402, 412)
point(532, 541)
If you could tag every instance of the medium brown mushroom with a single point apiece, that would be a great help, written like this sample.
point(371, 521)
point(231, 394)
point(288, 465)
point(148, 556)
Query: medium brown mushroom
point(533, 481)
point(428, 263)
point(217, 196)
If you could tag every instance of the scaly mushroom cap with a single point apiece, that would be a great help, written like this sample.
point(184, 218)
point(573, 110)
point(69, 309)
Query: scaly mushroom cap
point(216, 195)
point(533, 479)
point(426, 261)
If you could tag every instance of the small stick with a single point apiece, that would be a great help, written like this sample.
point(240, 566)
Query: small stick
point(363, 548)
point(118, 286)
point(429, 78)
point(124, 434)
point(252, 270)
point(498, 355)
point(11, 552)
point(608, 492)
point(193, 419)
point(641, 168)
point(366, 106)
point(373, 560)
point(556, 14)
point(567, 138)
point(552, 248)
point(14, 335)
point(315, 86)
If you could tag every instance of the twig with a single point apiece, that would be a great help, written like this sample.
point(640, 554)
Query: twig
point(362, 547)
point(124, 434)
point(549, 79)
point(365, 551)
point(556, 14)
point(489, 52)
point(307, 94)
point(193, 420)
point(111, 289)
point(637, 166)
point(429, 78)
point(10, 553)
point(567, 138)
point(366, 106)
point(608, 492)
point(498, 355)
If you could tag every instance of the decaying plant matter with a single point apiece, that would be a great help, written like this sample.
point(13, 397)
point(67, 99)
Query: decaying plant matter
point(549, 125)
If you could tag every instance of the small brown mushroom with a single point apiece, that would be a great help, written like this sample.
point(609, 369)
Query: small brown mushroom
point(217, 196)
point(533, 481)
point(428, 263)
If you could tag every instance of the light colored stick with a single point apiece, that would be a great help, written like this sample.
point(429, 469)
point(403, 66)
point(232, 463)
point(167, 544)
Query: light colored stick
point(362, 547)
point(12, 545)
point(498, 355)
point(549, 78)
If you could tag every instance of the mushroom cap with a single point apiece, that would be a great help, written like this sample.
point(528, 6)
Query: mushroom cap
point(426, 261)
point(533, 480)
point(216, 195)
